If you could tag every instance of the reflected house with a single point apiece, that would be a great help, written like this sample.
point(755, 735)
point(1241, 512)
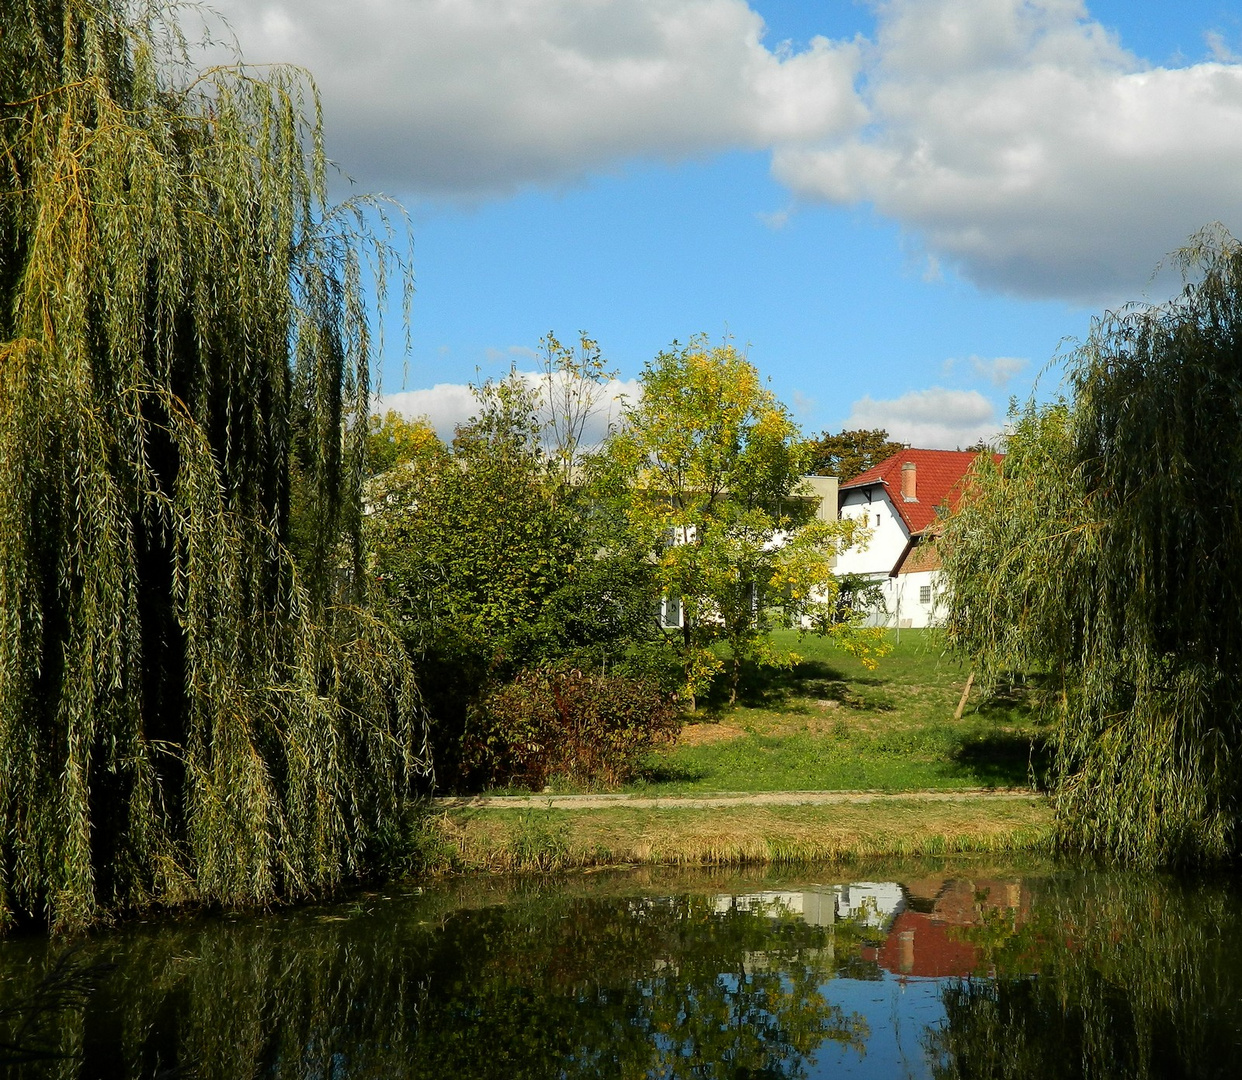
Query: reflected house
point(815, 906)
point(874, 904)
point(923, 946)
point(920, 921)
point(925, 939)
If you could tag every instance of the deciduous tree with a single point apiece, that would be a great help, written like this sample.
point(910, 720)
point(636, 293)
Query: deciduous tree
point(713, 463)
point(393, 440)
point(849, 453)
point(494, 554)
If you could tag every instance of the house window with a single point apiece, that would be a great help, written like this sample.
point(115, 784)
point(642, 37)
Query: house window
point(924, 594)
point(670, 612)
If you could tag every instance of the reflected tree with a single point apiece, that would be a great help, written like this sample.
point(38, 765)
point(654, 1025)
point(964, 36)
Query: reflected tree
point(1123, 976)
point(551, 986)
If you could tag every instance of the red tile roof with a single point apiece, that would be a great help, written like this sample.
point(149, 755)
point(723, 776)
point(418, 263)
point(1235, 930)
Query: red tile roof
point(938, 482)
point(919, 557)
point(924, 946)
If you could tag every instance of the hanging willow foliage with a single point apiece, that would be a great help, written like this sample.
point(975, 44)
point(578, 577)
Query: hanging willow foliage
point(1106, 551)
point(194, 705)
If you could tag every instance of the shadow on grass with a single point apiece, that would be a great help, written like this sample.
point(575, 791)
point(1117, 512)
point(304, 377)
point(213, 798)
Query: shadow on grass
point(768, 687)
point(665, 772)
point(1001, 760)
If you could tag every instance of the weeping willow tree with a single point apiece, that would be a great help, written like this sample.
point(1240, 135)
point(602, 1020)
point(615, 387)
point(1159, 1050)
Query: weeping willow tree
point(1106, 552)
point(1109, 976)
point(194, 703)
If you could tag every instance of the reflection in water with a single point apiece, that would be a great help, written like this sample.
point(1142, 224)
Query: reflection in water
point(1117, 976)
point(967, 974)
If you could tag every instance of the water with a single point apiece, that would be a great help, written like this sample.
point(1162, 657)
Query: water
point(951, 969)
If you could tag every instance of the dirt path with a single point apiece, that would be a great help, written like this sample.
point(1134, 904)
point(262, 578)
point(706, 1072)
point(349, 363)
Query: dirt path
point(722, 799)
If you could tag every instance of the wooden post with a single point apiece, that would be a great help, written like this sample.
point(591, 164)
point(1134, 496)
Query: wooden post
point(961, 705)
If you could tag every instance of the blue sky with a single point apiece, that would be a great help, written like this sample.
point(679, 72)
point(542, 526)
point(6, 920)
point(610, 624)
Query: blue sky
point(903, 209)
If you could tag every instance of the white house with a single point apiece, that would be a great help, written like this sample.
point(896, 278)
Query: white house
point(900, 500)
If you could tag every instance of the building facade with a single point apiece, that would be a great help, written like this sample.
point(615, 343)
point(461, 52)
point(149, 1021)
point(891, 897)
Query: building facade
point(900, 501)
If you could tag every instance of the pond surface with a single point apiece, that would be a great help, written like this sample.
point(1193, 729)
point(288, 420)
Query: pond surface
point(948, 969)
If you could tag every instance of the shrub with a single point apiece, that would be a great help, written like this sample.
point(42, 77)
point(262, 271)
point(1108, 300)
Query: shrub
point(490, 557)
point(410, 844)
point(556, 720)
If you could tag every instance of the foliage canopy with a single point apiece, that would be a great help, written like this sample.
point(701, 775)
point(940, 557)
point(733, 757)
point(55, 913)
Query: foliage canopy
point(1106, 551)
point(848, 454)
point(492, 554)
point(713, 465)
point(393, 440)
point(189, 708)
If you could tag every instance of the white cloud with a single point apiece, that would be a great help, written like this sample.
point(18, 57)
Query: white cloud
point(507, 355)
point(774, 220)
point(1219, 48)
point(446, 405)
point(469, 97)
point(1019, 140)
point(935, 419)
point(1014, 140)
point(998, 370)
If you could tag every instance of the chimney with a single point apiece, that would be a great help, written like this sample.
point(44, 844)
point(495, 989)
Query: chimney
point(909, 490)
point(905, 951)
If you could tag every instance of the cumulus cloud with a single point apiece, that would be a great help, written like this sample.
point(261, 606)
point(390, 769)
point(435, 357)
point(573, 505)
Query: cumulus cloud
point(446, 405)
point(934, 419)
point(470, 97)
point(998, 370)
point(1017, 141)
point(1020, 141)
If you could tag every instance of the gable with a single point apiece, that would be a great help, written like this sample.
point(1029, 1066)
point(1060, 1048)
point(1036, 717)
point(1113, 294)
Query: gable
point(938, 476)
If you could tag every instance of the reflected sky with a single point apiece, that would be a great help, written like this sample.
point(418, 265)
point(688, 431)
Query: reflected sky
point(943, 971)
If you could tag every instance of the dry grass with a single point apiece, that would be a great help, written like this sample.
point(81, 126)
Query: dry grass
point(705, 734)
point(495, 840)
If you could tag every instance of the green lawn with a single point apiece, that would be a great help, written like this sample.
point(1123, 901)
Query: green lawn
point(831, 724)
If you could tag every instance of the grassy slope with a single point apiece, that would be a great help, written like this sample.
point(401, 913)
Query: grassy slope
point(830, 724)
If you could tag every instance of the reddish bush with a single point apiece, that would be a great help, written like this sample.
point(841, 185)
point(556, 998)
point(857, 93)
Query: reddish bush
point(559, 721)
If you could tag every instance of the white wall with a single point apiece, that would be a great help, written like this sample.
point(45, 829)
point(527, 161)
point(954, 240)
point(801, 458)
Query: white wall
point(904, 597)
point(902, 594)
point(888, 537)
